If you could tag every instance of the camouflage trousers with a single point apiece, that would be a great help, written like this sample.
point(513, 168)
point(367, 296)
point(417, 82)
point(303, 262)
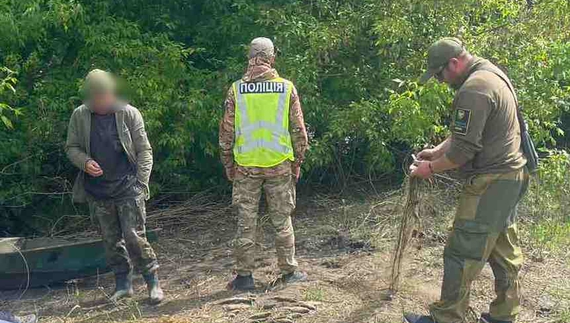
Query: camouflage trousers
point(484, 231)
point(280, 194)
point(122, 224)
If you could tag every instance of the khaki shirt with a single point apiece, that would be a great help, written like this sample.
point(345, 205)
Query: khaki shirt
point(133, 137)
point(486, 134)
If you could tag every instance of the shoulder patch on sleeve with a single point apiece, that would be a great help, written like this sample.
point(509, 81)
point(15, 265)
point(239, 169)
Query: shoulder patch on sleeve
point(461, 122)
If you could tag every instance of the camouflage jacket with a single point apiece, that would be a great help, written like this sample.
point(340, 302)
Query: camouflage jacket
point(259, 70)
point(132, 134)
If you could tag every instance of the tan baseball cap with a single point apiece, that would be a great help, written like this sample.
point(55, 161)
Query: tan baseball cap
point(99, 81)
point(440, 53)
point(261, 46)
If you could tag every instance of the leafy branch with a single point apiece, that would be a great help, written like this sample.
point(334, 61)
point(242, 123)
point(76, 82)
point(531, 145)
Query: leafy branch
point(7, 82)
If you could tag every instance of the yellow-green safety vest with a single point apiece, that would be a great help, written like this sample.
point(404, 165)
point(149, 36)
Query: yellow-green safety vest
point(262, 123)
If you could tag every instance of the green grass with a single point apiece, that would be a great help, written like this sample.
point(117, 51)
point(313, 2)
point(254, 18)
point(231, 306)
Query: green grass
point(550, 235)
point(564, 317)
point(314, 294)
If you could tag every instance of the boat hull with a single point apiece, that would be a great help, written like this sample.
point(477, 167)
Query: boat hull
point(44, 266)
point(51, 265)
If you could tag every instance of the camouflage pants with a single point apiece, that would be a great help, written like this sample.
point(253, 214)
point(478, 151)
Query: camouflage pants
point(484, 231)
point(122, 224)
point(280, 195)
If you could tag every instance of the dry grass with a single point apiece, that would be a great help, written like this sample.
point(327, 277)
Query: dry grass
point(346, 248)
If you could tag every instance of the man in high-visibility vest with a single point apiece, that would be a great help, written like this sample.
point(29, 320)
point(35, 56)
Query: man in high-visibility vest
point(263, 141)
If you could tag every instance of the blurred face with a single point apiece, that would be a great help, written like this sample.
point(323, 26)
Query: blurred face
point(103, 102)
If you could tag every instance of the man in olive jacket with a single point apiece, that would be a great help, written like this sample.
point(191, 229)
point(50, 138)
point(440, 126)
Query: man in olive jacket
point(485, 147)
point(107, 141)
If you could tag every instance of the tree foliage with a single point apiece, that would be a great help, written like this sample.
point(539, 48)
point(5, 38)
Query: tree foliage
point(7, 83)
point(355, 63)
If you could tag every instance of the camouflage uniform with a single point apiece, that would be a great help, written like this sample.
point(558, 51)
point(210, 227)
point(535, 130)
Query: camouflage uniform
point(280, 194)
point(122, 224)
point(276, 182)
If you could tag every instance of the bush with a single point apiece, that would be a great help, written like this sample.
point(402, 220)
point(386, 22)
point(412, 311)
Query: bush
point(546, 207)
point(354, 62)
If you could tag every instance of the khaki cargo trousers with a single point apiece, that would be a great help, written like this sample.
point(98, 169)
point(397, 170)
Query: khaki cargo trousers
point(484, 231)
point(280, 194)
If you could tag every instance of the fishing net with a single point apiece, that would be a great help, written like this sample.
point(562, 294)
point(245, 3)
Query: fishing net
point(409, 223)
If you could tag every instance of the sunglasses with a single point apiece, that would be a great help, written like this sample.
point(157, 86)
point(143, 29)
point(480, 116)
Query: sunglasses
point(439, 74)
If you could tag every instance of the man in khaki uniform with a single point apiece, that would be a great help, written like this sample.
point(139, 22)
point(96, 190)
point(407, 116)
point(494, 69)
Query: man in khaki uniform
point(107, 141)
point(485, 145)
point(263, 142)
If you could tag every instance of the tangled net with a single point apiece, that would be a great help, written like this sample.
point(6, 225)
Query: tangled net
point(410, 220)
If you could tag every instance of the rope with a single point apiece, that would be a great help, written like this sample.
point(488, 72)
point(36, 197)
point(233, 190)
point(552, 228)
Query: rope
point(27, 269)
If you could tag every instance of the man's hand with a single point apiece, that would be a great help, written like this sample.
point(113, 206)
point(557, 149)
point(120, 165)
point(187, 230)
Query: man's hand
point(421, 169)
point(93, 169)
point(231, 173)
point(428, 154)
point(296, 171)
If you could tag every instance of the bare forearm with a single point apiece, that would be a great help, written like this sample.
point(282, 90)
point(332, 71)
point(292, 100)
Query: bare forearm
point(443, 147)
point(442, 164)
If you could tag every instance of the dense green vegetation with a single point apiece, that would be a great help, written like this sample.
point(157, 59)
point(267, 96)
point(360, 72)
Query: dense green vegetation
point(355, 63)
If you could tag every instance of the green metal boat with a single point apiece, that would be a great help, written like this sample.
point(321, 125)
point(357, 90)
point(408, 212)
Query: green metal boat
point(27, 263)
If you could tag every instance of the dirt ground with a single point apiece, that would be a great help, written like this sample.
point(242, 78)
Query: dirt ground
point(344, 247)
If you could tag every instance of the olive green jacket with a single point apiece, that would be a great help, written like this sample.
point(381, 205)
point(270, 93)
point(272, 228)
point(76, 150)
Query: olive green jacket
point(130, 127)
